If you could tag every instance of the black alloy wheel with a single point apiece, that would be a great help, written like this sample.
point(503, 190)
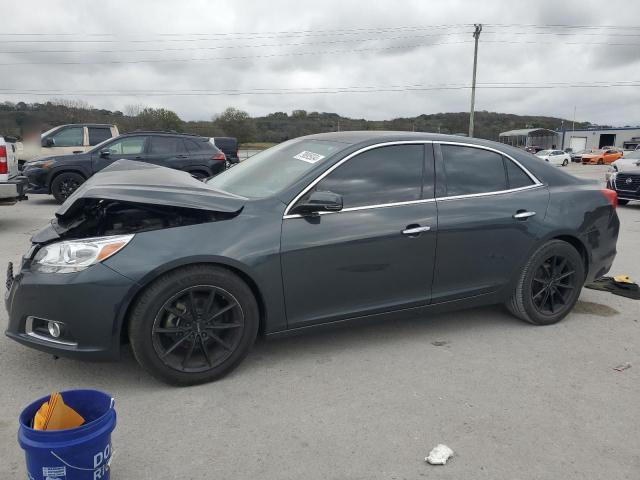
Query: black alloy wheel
point(194, 324)
point(552, 285)
point(65, 184)
point(549, 284)
point(198, 328)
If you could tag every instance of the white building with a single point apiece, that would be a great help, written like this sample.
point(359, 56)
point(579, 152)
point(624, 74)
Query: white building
point(594, 138)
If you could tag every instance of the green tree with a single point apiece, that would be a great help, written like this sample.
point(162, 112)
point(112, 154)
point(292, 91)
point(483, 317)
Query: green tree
point(236, 123)
point(159, 119)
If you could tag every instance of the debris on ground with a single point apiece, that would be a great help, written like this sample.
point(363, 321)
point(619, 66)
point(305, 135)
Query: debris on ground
point(439, 343)
point(619, 285)
point(439, 455)
point(622, 367)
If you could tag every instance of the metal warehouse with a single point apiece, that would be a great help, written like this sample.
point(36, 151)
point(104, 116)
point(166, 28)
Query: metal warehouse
point(594, 138)
point(527, 137)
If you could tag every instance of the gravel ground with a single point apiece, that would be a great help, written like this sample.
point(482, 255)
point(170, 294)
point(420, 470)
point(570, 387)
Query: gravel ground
point(514, 401)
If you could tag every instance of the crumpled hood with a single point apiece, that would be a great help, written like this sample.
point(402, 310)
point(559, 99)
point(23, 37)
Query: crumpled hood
point(138, 182)
point(592, 155)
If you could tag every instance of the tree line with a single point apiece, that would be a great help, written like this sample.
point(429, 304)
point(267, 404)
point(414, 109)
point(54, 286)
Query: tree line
point(17, 118)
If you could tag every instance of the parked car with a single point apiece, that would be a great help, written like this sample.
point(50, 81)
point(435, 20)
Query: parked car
point(12, 184)
point(533, 149)
point(229, 146)
point(624, 177)
point(62, 175)
point(65, 139)
point(316, 230)
point(555, 157)
point(577, 156)
point(601, 157)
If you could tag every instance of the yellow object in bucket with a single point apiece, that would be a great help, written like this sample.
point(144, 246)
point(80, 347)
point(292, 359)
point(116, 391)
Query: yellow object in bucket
point(55, 415)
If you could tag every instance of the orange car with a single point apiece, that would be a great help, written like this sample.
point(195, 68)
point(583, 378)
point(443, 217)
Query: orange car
point(601, 157)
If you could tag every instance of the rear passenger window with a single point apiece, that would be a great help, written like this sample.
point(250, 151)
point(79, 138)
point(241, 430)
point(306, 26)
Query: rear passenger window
point(165, 145)
point(472, 170)
point(98, 135)
point(194, 146)
point(516, 176)
point(379, 176)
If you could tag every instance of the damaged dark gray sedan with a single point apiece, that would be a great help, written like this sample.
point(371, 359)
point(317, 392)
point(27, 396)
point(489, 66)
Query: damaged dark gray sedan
point(317, 230)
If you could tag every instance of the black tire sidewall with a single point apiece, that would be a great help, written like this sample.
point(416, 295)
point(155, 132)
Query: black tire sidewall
point(557, 247)
point(55, 185)
point(622, 201)
point(153, 298)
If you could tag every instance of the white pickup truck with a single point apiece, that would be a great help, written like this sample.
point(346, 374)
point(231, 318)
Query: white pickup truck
point(12, 185)
point(65, 139)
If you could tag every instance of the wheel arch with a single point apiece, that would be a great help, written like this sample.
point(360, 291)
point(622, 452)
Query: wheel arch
point(576, 243)
point(125, 310)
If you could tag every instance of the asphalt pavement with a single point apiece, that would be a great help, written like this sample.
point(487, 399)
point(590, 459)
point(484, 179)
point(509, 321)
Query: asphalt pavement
point(514, 401)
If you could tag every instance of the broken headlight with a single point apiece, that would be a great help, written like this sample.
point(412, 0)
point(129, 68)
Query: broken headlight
point(75, 255)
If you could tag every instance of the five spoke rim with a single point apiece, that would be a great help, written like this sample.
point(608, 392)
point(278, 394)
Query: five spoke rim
point(198, 328)
point(553, 285)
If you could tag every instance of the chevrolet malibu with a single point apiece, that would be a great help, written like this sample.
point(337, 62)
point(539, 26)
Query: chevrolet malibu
point(318, 230)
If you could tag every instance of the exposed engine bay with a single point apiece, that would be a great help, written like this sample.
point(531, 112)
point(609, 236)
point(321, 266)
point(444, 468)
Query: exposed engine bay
point(112, 217)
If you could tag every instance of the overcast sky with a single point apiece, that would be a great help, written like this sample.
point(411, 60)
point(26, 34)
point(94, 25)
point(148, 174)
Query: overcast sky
point(410, 46)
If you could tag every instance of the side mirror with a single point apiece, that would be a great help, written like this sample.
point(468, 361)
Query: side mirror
point(319, 202)
point(105, 152)
point(48, 142)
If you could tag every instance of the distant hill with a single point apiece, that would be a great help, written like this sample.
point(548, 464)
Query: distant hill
point(15, 118)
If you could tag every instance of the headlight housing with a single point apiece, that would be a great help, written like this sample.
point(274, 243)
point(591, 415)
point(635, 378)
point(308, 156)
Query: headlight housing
point(76, 255)
point(39, 164)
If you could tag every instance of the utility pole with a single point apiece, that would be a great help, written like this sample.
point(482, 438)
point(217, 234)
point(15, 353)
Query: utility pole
point(476, 36)
point(573, 125)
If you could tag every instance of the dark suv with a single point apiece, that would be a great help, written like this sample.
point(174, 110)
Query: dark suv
point(62, 175)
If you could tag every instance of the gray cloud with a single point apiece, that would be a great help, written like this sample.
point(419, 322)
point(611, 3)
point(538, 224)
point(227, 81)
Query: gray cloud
point(427, 56)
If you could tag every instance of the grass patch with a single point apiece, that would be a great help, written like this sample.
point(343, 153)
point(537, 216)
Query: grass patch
point(257, 145)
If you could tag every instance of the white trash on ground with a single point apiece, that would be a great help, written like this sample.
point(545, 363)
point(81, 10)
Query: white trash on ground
point(439, 455)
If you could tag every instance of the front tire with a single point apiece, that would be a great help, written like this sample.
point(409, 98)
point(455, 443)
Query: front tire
point(65, 184)
point(565, 162)
point(622, 201)
point(193, 325)
point(549, 285)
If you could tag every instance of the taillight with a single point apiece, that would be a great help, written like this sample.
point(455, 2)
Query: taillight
point(4, 168)
point(611, 196)
point(219, 156)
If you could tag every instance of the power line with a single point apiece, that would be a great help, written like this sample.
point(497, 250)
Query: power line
point(328, 90)
point(325, 42)
point(239, 57)
point(234, 36)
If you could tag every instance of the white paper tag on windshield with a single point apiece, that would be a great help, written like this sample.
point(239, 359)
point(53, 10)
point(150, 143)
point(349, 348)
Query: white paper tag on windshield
point(309, 157)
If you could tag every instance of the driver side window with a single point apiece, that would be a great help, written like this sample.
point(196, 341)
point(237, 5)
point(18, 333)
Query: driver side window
point(379, 176)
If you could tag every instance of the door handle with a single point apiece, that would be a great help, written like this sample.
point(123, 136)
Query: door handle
point(523, 215)
point(415, 230)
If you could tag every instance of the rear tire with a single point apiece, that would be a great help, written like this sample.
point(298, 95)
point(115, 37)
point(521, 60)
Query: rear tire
point(182, 348)
point(565, 162)
point(549, 285)
point(65, 184)
point(600, 162)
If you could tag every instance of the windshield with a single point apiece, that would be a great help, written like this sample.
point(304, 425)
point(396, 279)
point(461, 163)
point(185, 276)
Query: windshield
point(543, 152)
point(271, 170)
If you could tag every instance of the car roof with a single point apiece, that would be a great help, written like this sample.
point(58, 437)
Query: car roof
point(165, 134)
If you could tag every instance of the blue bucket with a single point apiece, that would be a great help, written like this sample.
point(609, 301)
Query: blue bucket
point(82, 453)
